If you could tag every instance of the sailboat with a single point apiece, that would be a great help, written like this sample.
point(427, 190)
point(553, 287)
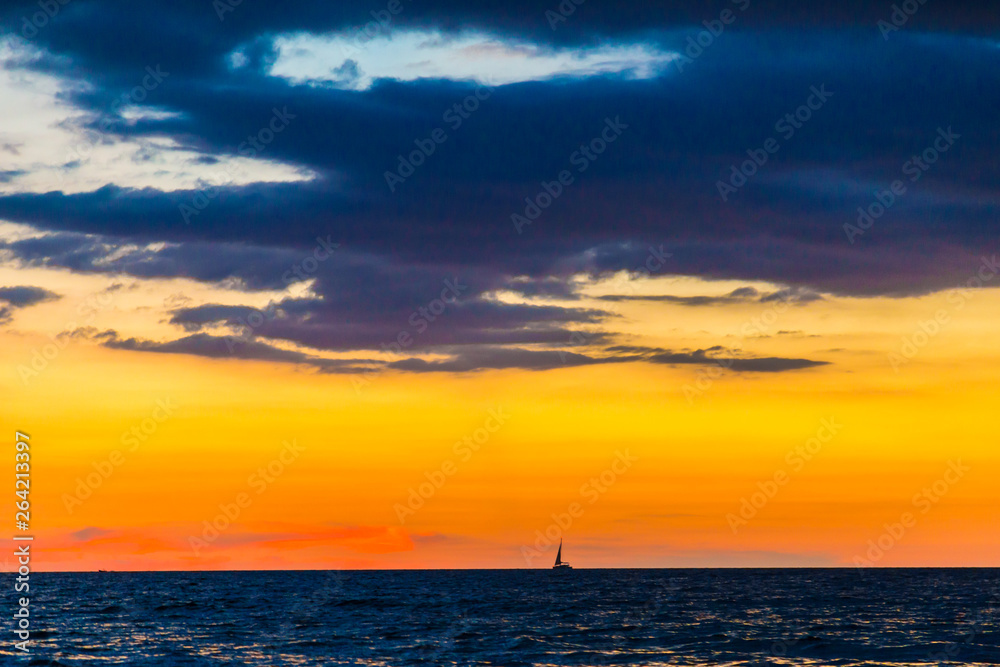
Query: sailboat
point(560, 563)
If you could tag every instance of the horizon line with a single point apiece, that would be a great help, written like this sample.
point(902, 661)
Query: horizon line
point(536, 569)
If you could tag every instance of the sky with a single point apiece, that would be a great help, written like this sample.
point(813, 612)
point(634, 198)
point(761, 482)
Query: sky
point(427, 284)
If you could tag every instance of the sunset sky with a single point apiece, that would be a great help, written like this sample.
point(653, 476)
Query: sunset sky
point(412, 284)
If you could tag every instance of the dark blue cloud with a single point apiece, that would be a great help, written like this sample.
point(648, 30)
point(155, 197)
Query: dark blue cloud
point(655, 186)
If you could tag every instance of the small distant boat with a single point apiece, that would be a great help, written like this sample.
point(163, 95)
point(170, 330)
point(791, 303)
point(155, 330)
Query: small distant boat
point(560, 563)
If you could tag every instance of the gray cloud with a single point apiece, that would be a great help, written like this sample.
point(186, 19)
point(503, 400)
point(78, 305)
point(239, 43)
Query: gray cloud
point(739, 295)
point(219, 347)
point(737, 364)
point(90, 533)
point(22, 297)
point(495, 358)
point(14, 298)
point(461, 360)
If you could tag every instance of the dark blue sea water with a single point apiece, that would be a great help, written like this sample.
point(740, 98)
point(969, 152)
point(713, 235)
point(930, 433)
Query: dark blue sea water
point(509, 618)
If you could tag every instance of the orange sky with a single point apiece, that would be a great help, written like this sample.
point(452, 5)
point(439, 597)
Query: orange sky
point(500, 195)
point(510, 449)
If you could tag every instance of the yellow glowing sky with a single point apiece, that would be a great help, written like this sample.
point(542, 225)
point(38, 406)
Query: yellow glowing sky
point(697, 455)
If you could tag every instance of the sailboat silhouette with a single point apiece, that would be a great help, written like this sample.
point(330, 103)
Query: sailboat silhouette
point(560, 563)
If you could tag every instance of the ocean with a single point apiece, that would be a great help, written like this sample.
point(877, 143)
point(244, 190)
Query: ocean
point(514, 617)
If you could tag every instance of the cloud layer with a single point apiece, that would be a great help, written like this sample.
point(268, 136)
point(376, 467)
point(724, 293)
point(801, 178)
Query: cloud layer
point(280, 127)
